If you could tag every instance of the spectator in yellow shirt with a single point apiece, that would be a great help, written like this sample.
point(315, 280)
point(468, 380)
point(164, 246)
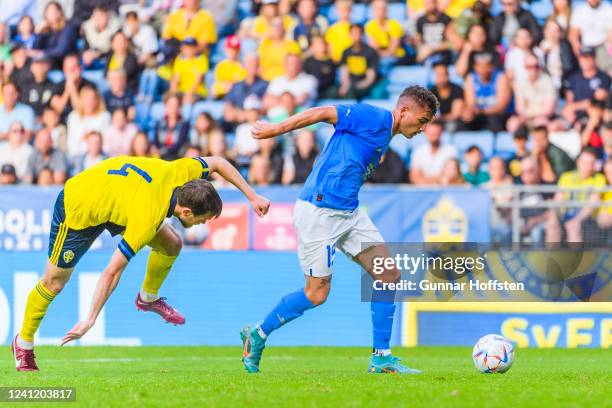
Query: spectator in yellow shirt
point(274, 50)
point(385, 36)
point(260, 26)
point(338, 36)
point(454, 8)
point(230, 70)
point(188, 72)
point(573, 219)
point(189, 21)
point(604, 217)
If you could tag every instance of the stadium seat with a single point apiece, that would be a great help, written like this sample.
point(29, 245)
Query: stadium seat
point(401, 77)
point(504, 145)
point(157, 112)
point(324, 132)
point(56, 76)
point(359, 14)
point(215, 108)
point(483, 139)
point(541, 10)
point(97, 77)
point(454, 77)
point(401, 146)
point(330, 102)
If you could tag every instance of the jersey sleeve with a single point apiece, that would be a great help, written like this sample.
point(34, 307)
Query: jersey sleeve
point(205, 168)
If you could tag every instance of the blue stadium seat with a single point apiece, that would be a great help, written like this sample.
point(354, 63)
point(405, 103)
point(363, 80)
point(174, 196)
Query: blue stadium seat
point(541, 10)
point(97, 77)
point(157, 112)
point(215, 108)
point(483, 139)
point(324, 132)
point(329, 102)
point(401, 77)
point(504, 144)
point(56, 76)
point(359, 13)
point(395, 10)
point(454, 77)
point(401, 146)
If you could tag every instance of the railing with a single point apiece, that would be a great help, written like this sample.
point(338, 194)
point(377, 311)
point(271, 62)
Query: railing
point(516, 204)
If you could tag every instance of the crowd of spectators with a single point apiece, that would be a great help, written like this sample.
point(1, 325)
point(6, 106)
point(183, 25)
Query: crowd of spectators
point(79, 78)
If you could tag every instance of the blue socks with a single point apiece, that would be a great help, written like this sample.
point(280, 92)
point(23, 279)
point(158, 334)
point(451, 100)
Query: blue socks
point(290, 307)
point(383, 309)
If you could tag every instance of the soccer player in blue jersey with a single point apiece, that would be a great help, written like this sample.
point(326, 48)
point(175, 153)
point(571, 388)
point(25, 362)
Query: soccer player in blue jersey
point(326, 215)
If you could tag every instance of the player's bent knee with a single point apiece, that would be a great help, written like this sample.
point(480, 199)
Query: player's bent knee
point(174, 246)
point(317, 297)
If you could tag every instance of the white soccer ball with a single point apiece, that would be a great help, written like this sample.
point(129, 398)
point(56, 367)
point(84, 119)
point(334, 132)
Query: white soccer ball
point(493, 353)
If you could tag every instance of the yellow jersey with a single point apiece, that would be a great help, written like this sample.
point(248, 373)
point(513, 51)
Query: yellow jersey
point(272, 57)
point(136, 193)
point(227, 73)
point(338, 39)
point(189, 70)
point(571, 179)
point(201, 27)
point(383, 34)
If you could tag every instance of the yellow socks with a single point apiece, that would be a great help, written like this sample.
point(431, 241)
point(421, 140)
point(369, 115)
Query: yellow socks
point(39, 300)
point(158, 267)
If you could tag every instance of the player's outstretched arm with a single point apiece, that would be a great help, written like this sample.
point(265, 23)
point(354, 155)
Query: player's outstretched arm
point(227, 171)
point(106, 285)
point(264, 130)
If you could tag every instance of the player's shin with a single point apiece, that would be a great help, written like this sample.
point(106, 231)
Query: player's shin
point(289, 308)
point(383, 310)
point(39, 300)
point(158, 267)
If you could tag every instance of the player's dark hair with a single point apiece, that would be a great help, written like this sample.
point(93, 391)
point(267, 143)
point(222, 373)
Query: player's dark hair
point(423, 97)
point(200, 197)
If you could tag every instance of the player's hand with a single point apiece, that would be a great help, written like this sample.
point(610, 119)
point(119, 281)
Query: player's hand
point(264, 130)
point(260, 205)
point(77, 331)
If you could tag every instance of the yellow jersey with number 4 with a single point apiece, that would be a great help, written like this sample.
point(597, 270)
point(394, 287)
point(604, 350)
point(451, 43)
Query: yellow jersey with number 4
point(131, 192)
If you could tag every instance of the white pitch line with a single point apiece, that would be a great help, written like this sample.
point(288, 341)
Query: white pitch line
point(141, 359)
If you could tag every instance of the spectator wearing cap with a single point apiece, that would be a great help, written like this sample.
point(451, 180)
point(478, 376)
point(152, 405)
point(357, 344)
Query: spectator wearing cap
point(56, 35)
point(143, 37)
point(301, 85)
point(117, 138)
point(92, 155)
point(338, 36)
point(358, 67)
point(245, 145)
point(7, 175)
point(385, 36)
point(487, 96)
point(98, 32)
point(506, 24)
point(45, 156)
point(121, 57)
point(583, 85)
point(240, 91)
point(435, 35)
point(118, 96)
point(474, 174)
point(477, 41)
point(559, 58)
point(18, 69)
point(170, 135)
point(229, 70)
point(449, 95)
point(572, 220)
point(17, 150)
point(188, 71)
point(535, 97)
point(299, 165)
point(521, 47)
point(89, 115)
point(38, 93)
point(320, 66)
point(12, 111)
point(553, 161)
point(428, 159)
point(590, 23)
point(69, 89)
point(25, 32)
point(309, 24)
point(274, 49)
point(189, 21)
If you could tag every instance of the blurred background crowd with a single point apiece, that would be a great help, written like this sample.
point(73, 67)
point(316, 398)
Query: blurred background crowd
point(524, 89)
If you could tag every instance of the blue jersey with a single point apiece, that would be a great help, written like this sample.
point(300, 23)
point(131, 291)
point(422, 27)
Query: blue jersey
point(363, 133)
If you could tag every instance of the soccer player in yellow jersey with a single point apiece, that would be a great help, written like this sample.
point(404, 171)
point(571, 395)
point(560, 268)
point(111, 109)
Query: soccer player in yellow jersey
point(130, 196)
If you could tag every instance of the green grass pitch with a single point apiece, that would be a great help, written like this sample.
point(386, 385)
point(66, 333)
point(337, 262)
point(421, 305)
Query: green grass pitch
point(313, 377)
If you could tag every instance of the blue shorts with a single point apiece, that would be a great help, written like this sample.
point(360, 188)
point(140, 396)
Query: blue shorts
point(67, 245)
